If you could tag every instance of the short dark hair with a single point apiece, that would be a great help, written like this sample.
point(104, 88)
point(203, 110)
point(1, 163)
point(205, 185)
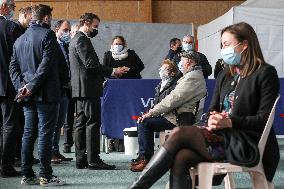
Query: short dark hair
point(25, 10)
point(40, 11)
point(88, 17)
point(173, 41)
point(58, 24)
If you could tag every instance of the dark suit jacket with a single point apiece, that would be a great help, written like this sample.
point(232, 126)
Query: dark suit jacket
point(254, 98)
point(9, 32)
point(86, 71)
point(38, 62)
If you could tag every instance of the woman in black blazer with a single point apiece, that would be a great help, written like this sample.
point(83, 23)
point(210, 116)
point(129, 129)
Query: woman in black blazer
point(243, 98)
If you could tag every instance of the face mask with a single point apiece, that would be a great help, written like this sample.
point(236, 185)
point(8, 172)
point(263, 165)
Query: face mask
point(65, 37)
point(179, 49)
point(187, 47)
point(117, 48)
point(230, 56)
point(180, 67)
point(93, 33)
point(163, 74)
point(10, 15)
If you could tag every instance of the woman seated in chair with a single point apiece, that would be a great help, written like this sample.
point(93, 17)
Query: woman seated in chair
point(243, 98)
point(176, 108)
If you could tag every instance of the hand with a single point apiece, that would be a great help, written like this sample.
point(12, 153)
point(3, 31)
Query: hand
point(218, 121)
point(23, 92)
point(144, 116)
point(120, 70)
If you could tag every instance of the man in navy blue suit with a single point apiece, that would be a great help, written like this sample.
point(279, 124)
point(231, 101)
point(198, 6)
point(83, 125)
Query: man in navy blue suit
point(38, 71)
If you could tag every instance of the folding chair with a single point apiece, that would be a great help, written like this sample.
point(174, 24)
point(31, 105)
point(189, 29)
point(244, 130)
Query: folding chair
point(206, 171)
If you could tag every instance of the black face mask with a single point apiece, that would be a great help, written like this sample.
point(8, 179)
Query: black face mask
point(93, 33)
point(179, 49)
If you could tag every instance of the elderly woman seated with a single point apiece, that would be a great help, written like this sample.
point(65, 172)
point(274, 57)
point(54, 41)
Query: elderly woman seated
point(176, 109)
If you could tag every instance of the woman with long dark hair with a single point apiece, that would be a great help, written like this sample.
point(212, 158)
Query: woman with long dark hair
point(243, 98)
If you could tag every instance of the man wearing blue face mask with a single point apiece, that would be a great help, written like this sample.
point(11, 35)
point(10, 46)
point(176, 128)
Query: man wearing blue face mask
point(9, 32)
point(189, 45)
point(62, 31)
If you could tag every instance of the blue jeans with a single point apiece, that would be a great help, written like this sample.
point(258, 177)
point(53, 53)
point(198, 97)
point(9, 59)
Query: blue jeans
point(60, 122)
point(40, 117)
point(146, 134)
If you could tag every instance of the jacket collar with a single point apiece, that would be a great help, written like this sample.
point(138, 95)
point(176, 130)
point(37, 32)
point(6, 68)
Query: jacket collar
point(169, 84)
point(2, 17)
point(39, 23)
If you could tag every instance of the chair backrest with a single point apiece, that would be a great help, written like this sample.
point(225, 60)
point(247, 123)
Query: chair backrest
point(267, 128)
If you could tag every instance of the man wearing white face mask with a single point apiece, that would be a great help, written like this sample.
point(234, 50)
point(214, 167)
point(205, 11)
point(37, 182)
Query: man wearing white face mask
point(178, 108)
point(9, 32)
point(189, 45)
point(62, 31)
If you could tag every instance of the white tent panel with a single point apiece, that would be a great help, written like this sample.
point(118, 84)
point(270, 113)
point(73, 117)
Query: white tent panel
point(266, 17)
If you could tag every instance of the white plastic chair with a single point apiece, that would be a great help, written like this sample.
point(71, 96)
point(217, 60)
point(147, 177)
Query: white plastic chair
point(206, 171)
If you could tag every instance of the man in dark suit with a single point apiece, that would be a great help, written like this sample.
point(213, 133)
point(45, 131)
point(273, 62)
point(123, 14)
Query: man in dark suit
point(38, 71)
point(87, 85)
point(9, 32)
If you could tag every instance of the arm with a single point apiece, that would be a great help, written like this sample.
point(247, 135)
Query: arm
point(206, 67)
point(63, 68)
point(190, 88)
point(138, 62)
point(268, 86)
point(15, 72)
point(89, 58)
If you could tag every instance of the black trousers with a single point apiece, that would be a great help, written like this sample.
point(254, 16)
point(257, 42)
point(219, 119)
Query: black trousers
point(68, 127)
point(87, 129)
point(8, 131)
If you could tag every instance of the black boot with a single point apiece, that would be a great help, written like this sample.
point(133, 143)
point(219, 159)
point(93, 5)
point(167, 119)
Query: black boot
point(159, 164)
point(180, 181)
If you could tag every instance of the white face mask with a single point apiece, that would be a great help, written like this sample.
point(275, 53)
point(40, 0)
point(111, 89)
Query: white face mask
point(187, 46)
point(117, 48)
point(163, 73)
point(180, 67)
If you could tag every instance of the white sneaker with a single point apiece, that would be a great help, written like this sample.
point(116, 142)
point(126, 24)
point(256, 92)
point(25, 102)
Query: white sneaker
point(30, 180)
point(54, 181)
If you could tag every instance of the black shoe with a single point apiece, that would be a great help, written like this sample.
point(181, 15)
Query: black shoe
point(9, 171)
point(100, 165)
point(67, 149)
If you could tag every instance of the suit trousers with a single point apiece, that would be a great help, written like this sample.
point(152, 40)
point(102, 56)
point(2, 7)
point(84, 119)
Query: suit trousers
point(8, 131)
point(87, 129)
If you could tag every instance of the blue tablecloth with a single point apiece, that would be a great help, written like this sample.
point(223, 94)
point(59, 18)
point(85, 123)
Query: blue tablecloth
point(124, 100)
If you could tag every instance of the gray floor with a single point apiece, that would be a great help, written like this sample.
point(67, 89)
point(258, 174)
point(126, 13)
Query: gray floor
point(122, 177)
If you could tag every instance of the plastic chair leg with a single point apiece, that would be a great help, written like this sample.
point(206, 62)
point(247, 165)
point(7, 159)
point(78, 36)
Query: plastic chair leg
point(258, 180)
point(193, 173)
point(229, 181)
point(205, 175)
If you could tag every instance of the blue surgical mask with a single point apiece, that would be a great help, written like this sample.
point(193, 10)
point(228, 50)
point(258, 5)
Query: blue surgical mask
point(65, 37)
point(163, 73)
point(231, 57)
point(10, 15)
point(187, 46)
point(117, 48)
point(180, 67)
